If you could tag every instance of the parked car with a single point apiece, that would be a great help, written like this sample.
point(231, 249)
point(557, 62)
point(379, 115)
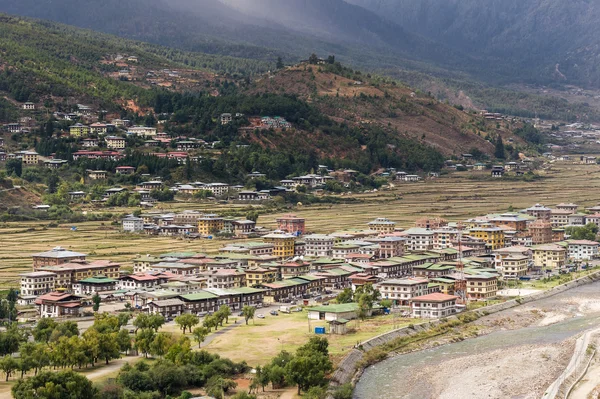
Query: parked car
point(260, 316)
point(274, 313)
point(241, 314)
point(297, 310)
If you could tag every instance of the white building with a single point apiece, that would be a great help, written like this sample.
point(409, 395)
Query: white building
point(402, 291)
point(133, 224)
point(142, 131)
point(433, 306)
point(582, 249)
point(37, 283)
point(419, 239)
point(318, 245)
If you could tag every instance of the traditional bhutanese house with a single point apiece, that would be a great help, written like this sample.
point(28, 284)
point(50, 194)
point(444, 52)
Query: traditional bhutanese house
point(316, 284)
point(431, 270)
point(141, 281)
point(237, 298)
point(200, 302)
point(96, 284)
point(433, 306)
point(58, 304)
point(326, 263)
point(445, 284)
point(335, 278)
point(360, 279)
point(167, 307)
point(284, 289)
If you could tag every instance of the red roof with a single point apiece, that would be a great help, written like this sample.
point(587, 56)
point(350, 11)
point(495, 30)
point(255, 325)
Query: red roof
point(435, 297)
point(142, 277)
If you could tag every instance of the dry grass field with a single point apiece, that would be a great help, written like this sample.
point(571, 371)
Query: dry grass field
point(454, 197)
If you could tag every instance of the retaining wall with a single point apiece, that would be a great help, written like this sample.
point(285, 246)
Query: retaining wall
point(349, 372)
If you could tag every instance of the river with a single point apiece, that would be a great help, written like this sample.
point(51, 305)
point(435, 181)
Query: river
point(506, 357)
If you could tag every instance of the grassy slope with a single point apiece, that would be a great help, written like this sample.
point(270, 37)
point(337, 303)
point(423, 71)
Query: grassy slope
point(376, 102)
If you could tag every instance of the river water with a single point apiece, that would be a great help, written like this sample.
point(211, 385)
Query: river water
point(390, 379)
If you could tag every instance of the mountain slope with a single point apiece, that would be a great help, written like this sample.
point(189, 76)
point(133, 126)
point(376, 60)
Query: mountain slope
point(536, 40)
point(354, 99)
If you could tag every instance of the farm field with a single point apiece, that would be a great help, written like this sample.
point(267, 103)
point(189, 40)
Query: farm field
point(261, 340)
point(455, 197)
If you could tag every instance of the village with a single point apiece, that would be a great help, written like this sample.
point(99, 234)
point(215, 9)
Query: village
point(433, 269)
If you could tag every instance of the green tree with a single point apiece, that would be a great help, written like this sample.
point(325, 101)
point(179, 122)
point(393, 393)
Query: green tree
point(55, 385)
point(587, 232)
point(124, 341)
point(217, 386)
point(8, 364)
point(96, 300)
point(187, 321)
point(366, 296)
point(143, 340)
point(225, 312)
point(14, 167)
point(156, 321)
point(200, 334)
point(345, 296)
point(279, 64)
point(43, 329)
point(248, 312)
point(160, 344)
point(499, 149)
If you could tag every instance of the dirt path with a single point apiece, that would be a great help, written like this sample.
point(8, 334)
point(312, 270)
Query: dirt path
point(588, 383)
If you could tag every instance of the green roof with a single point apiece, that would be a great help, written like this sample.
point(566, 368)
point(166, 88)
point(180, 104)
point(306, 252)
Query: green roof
point(199, 296)
point(309, 277)
point(443, 280)
point(245, 290)
point(98, 280)
point(178, 255)
point(339, 308)
point(328, 261)
point(337, 272)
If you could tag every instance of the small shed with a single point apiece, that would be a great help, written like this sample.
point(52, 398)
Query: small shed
point(339, 326)
point(348, 311)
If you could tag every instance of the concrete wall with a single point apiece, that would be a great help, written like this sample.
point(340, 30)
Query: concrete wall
point(348, 371)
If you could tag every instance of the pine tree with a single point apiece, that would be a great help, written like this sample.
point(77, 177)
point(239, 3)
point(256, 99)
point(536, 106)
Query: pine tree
point(499, 151)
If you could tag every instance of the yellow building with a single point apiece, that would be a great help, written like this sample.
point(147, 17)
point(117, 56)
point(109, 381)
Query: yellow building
point(514, 266)
point(491, 235)
point(446, 285)
point(550, 256)
point(260, 275)
point(79, 130)
point(284, 244)
point(30, 157)
point(382, 225)
point(115, 142)
point(210, 224)
point(481, 286)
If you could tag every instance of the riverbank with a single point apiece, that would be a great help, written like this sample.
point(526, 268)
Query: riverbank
point(489, 319)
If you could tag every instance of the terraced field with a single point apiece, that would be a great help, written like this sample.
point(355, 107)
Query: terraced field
point(454, 197)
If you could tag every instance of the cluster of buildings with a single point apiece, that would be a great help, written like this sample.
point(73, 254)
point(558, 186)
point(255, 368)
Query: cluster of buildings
point(432, 268)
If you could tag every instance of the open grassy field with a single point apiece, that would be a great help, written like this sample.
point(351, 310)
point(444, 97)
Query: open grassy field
point(455, 197)
point(258, 342)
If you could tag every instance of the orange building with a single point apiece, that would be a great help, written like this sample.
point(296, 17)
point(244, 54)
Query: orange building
point(291, 224)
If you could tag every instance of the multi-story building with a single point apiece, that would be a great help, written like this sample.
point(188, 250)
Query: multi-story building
point(390, 247)
point(56, 256)
point(582, 249)
point(514, 266)
point(444, 237)
point(142, 131)
point(433, 306)
point(283, 244)
point(133, 224)
point(30, 157)
point(58, 304)
point(319, 245)
point(431, 223)
point(515, 222)
point(539, 212)
point(257, 275)
point(91, 285)
point(549, 256)
point(481, 286)
point(68, 274)
point(541, 232)
point(382, 225)
point(560, 217)
point(291, 269)
point(292, 224)
point(37, 283)
point(217, 189)
point(97, 174)
point(493, 236)
point(402, 291)
point(210, 224)
point(419, 239)
point(568, 207)
point(115, 142)
point(79, 130)
point(225, 279)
